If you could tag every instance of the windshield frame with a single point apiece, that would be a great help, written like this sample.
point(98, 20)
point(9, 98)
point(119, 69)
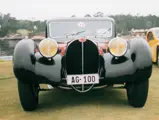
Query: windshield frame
point(65, 36)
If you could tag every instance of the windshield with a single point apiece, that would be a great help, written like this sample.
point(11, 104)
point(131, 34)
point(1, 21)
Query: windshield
point(157, 33)
point(86, 28)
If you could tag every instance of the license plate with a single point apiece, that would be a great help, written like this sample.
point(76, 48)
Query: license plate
point(82, 79)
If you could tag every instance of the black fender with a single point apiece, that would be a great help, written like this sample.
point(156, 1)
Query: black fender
point(31, 67)
point(140, 48)
point(137, 62)
point(24, 60)
point(50, 69)
point(23, 56)
point(141, 51)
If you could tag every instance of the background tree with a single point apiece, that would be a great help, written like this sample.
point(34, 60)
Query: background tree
point(10, 25)
point(98, 14)
point(87, 15)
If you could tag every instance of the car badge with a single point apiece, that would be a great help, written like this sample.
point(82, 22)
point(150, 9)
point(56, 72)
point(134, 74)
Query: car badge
point(81, 24)
point(82, 39)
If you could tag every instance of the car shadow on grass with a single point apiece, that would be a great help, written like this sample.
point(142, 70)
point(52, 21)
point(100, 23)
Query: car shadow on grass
point(59, 99)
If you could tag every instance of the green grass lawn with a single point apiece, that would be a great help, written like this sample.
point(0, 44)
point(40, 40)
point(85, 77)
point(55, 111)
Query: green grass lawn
point(107, 104)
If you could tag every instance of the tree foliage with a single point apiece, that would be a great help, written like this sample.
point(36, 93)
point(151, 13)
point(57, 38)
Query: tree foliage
point(10, 25)
point(125, 23)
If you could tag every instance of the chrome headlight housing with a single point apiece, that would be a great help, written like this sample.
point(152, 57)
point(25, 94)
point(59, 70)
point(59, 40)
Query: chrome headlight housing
point(117, 46)
point(48, 47)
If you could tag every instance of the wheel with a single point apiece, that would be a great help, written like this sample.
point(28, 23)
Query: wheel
point(137, 93)
point(28, 94)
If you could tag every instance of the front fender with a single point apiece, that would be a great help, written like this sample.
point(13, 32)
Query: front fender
point(50, 71)
point(31, 67)
point(138, 58)
point(23, 56)
point(140, 48)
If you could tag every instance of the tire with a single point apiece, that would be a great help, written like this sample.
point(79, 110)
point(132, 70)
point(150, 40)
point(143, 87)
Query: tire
point(28, 94)
point(137, 93)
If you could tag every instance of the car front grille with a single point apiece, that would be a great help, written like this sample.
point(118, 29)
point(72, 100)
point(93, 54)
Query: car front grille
point(82, 58)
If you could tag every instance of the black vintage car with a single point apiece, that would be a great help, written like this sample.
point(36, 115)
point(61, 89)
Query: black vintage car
point(82, 54)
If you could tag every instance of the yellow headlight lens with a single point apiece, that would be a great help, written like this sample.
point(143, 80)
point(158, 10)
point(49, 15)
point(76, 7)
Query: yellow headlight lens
point(117, 46)
point(48, 47)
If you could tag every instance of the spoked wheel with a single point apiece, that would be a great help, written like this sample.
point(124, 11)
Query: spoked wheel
point(29, 95)
point(137, 93)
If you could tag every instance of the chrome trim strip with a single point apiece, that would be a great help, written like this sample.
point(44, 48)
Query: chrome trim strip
point(82, 64)
point(100, 87)
point(69, 88)
point(66, 88)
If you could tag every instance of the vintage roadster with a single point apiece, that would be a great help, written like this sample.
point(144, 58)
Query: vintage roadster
point(82, 54)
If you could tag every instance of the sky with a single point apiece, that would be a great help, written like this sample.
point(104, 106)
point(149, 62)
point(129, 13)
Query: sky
point(48, 9)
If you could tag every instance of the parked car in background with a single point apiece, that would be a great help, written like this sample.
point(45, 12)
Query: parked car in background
point(82, 54)
point(152, 38)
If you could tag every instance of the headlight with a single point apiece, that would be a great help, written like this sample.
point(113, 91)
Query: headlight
point(117, 46)
point(48, 48)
